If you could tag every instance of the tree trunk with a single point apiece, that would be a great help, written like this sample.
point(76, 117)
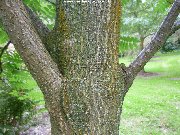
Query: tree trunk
point(93, 80)
point(76, 64)
point(85, 94)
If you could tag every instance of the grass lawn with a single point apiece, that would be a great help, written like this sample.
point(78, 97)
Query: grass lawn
point(152, 105)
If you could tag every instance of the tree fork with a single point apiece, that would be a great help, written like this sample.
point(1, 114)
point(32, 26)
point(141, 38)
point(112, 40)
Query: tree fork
point(38, 61)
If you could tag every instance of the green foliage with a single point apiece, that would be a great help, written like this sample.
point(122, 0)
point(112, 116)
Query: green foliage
point(44, 10)
point(16, 106)
point(13, 110)
point(140, 18)
point(127, 43)
point(169, 46)
point(124, 2)
point(162, 5)
point(3, 36)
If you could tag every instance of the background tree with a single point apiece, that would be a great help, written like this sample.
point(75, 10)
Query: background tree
point(141, 19)
point(76, 63)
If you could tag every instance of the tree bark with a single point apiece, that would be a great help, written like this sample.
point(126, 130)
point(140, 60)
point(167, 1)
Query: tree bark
point(28, 44)
point(79, 73)
point(92, 92)
point(76, 65)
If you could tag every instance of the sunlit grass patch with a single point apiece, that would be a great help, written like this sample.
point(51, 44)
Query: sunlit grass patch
point(152, 105)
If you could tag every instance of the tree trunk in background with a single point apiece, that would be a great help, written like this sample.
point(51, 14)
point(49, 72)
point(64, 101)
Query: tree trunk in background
point(141, 43)
point(141, 48)
point(76, 64)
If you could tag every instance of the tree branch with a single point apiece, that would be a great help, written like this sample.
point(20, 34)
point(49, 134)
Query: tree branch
point(4, 48)
point(156, 43)
point(1, 53)
point(28, 44)
point(40, 27)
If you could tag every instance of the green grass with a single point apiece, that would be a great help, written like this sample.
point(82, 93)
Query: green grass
point(152, 105)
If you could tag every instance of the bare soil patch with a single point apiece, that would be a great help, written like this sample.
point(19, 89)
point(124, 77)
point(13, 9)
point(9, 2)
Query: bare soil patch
point(41, 125)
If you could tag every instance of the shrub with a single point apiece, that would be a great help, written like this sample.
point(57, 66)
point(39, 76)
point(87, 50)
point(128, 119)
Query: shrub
point(16, 106)
point(169, 46)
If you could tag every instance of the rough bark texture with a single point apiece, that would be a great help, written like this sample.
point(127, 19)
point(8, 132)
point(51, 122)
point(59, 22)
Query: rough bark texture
point(29, 46)
point(88, 34)
point(83, 92)
point(39, 26)
point(76, 65)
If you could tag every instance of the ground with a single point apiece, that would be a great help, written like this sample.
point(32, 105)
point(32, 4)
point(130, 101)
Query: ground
point(41, 125)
